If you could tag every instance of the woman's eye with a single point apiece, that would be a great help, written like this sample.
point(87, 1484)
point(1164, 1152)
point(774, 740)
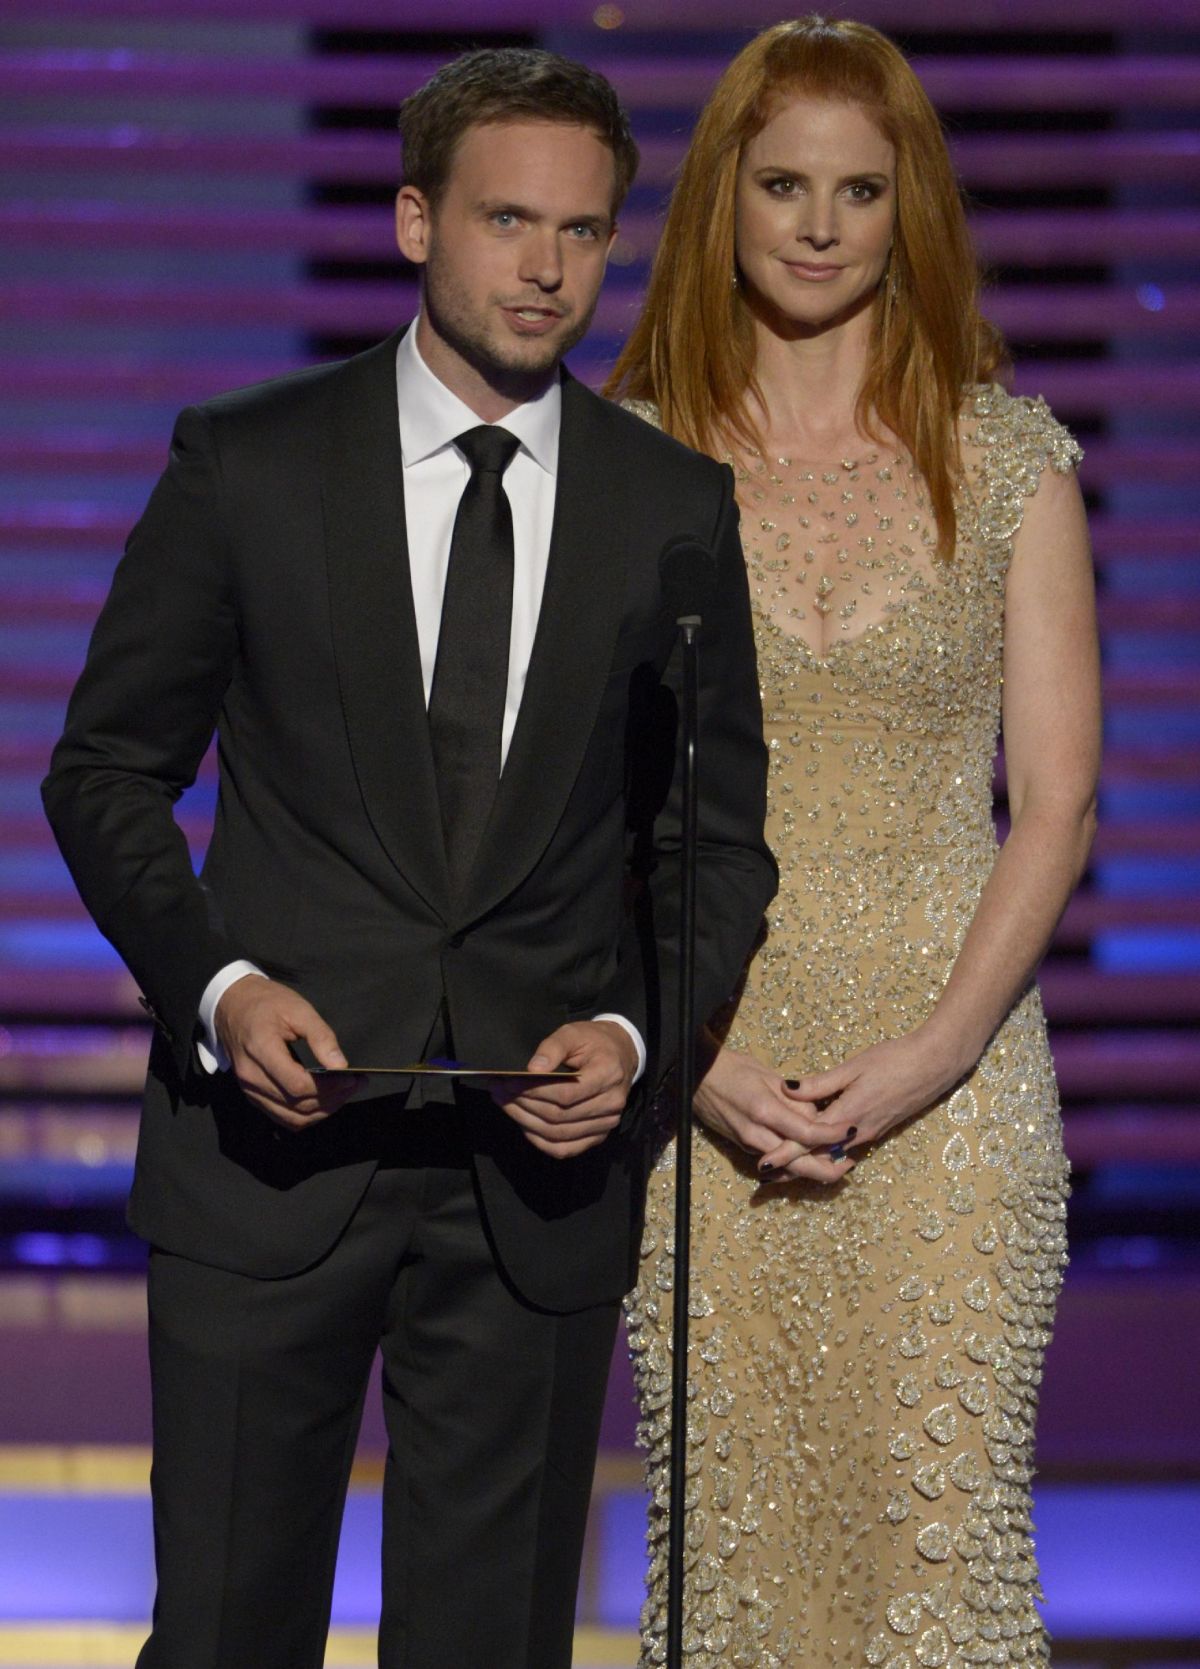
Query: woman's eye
point(862, 192)
point(782, 187)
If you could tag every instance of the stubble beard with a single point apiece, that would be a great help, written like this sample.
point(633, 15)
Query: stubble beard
point(455, 318)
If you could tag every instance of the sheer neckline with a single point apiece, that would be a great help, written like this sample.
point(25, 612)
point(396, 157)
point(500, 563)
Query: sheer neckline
point(834, 551)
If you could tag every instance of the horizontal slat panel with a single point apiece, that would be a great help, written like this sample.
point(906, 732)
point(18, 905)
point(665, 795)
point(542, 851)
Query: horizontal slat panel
point(1058, 237)
point(60, 991)
point(1047, 159)
point(1091, 913)
point(1144, 536)
point(1128, 1065)
point(1031, 238)
point(375, 307)
point(1104, 387)
point(1162, 159)
point(26, 830)
point(1148, 837)
point(1106, 463)
point(1026, 312)
point(127, 377)
point(1073, 313)
point(1155, 686)
point(1147, 614)
point(677, 15)
point(1033, 83)
point(1132, 1136)
point(1082, 994)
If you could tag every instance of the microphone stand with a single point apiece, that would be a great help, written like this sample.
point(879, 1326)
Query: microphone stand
point(689, 625)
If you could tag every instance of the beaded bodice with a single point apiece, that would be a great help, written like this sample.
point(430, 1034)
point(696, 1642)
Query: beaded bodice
point(835, 550)
point(881, 673)
point(881, 705)
point(858, 622)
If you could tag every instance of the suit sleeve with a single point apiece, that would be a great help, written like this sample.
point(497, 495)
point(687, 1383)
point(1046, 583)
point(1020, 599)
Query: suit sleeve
point(736, 876)
point(138, 724)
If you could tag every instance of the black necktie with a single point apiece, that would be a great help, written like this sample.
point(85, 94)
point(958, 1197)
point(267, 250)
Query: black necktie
point(470, 675)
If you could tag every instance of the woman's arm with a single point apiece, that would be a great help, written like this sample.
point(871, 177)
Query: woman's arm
point(1051, 713)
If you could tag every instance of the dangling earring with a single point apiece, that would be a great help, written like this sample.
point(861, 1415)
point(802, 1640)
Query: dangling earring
point(890, 281)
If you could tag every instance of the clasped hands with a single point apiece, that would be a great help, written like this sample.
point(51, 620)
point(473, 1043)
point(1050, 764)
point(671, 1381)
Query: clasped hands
point(257, 1019)
point(812, 1126)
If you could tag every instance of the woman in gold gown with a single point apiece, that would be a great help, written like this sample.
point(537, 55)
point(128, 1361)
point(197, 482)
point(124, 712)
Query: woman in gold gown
point(879, 1180)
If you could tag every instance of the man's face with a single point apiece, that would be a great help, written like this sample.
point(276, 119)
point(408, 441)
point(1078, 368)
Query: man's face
point(514, 252)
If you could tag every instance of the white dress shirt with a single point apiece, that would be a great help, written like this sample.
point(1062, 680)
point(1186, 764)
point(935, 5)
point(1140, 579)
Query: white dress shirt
point(435, 474)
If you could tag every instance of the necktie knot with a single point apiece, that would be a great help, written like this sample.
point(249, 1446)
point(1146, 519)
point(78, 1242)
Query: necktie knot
point(488, 449)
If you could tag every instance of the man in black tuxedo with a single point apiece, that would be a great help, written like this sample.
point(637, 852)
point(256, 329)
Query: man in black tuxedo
point(418, 597)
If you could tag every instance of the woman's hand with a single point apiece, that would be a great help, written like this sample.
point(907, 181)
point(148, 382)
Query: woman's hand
point(868, 1095)
point(748, 1104)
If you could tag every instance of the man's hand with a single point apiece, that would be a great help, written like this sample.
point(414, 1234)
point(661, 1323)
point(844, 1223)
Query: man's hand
point(564, 1118)
point(256, 1019)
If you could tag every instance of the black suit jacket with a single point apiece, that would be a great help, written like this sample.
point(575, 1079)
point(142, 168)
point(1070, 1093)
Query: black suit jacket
point(265, 592)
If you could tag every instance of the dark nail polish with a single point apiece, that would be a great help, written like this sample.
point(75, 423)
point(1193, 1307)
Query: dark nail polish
point(837, 1151)
point(766, 1170)
point(850, 1134)
point(791, 1083)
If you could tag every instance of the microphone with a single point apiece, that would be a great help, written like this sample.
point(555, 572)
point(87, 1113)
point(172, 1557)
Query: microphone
point(688, 575)
point(687, 572)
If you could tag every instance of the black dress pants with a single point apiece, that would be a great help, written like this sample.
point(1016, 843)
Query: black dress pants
point(492, 1411)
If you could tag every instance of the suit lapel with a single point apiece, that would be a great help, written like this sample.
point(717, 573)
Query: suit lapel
point(572, 652)
point(374, 622)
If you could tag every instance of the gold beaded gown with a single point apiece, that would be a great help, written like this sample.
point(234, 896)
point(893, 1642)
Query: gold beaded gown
point(865, 1358)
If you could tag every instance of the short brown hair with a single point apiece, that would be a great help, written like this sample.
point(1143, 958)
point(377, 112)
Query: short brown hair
point(509, 84)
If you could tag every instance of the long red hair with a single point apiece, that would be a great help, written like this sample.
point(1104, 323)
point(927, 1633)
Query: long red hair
point(692, 350)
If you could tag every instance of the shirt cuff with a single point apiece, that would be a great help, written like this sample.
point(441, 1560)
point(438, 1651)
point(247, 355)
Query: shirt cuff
point(209, 1048)
point(627, 1026)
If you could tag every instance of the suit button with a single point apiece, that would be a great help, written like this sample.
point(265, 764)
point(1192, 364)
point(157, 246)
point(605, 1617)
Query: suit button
point(457, 941)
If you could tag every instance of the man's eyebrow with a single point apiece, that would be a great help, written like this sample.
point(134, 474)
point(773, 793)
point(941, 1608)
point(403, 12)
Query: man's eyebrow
point(502, 205)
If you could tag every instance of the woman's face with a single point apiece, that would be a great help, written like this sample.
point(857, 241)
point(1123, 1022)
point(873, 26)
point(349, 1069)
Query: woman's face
point(815, 213)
